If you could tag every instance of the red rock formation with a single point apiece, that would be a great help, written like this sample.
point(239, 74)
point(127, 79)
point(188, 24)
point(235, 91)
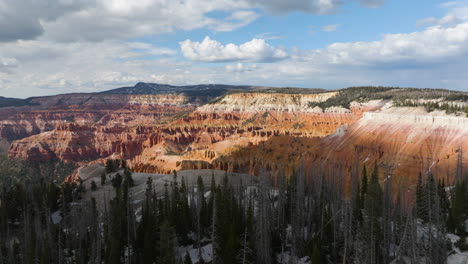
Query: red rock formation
point(403, 142)
point(248, 132)
point(88, 109)
point(138, 132)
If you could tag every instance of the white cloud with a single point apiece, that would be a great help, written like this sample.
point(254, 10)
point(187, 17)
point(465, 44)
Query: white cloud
point(448, 4)
point(125, 7)
point(8, 62)
point(159, 16)
point(147, 49)
point(434, 44)
point(460, 10)
point(22, 19)
point(98, 20)
point(7, 65)
point(449, 19)
point(330, 28)
point(40, 68)
point(436, 56)
point(213, 51)
point(235, 20)
point(240, 67)
point(457, 12)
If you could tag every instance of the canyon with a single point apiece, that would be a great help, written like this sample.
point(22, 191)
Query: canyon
point(241, 129)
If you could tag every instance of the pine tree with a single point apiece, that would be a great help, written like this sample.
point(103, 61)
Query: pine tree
point(53, 193)
point(93, 185)
point(263, 227)
point(187, 259)
point(110, 166)
point(128, 177)
point(420, 199)
point(316, 255)
point(444, 201)
point(363, 186)
point(147, 231)
point(117, 181)
point(436, 223)
point(167, 244)
point(204, 214)
point(103, 179)
point(184, 223)
point(459, 207)
point(373, 213)
point(114, 240)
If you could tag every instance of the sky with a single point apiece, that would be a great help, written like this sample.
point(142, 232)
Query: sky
point(62, 46)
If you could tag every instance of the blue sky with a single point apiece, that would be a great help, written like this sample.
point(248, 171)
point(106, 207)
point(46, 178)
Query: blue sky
point(60, 46)
point(356, 23)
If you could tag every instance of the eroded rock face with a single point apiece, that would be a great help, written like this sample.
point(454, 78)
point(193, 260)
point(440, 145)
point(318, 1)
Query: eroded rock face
point(247, 132)
point(403, 141)
point(99, 110)
point(213, 132)
point(142, 132)
point(109, 101)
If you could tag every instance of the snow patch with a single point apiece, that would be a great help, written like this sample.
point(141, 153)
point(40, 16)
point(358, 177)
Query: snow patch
point(56, 217)
point(206, 253)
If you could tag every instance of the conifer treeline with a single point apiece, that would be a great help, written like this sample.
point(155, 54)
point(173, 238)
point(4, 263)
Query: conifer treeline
point(448, 107)
point(243, 223)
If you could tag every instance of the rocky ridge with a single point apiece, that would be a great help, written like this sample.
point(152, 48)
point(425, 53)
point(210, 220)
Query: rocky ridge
point(242, 131)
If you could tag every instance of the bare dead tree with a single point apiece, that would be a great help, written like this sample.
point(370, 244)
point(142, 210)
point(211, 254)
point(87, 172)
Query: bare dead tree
point(263, 224)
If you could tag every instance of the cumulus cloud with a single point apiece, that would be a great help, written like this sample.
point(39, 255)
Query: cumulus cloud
point(437, 55)
point(21, 19)
point(126, 20)
point(434, 44)
point(79, 67)
point(99, 20)
point(209, 50)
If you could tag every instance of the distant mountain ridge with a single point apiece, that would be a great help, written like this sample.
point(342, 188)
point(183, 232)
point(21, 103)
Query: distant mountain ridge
point(199, 89)
point(213, 90)
point(6, 102)
point(204, 93)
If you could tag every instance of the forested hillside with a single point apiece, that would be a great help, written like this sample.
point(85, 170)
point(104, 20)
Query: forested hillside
point(430, 98)
point(300, 220)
